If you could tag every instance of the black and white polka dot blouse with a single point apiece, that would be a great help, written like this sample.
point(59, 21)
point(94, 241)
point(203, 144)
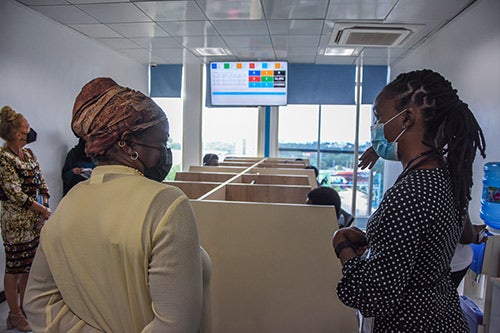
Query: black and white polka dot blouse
point(405, 282)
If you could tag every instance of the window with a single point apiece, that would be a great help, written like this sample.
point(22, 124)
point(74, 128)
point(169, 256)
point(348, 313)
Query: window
point(298, 132)
point(230, 131)
point(173, 109)
point(326, 135)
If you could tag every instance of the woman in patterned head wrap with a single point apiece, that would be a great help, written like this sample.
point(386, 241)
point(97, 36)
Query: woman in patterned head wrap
point(121, 252)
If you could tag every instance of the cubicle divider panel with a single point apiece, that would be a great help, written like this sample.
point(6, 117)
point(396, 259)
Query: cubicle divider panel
point(229, 169)
point(275, 179)
point(204, 176)
point(273, 268)
point(243, 159)
point(283, 165)
point(193, 190)
point(267, 193)
point(284, 171)
point(237, 163)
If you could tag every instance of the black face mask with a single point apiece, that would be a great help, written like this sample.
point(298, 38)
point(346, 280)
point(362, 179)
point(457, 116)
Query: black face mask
point(31, 136)
point(159, 171)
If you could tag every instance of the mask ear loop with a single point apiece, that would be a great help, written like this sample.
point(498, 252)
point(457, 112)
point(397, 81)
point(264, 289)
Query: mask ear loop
point(402, 132)
point(402, 126)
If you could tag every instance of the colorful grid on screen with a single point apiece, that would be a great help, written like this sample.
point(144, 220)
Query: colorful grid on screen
point(250, 74)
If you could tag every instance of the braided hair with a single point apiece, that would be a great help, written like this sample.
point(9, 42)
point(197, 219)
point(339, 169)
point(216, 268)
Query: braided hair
point(450, 127)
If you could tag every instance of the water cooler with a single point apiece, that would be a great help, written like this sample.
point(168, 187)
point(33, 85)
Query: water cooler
point(490, 200)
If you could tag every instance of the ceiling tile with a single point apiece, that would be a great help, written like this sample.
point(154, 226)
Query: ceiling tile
point(66, 14)
point(115, 12)
point(311, 52)
point(295, 9)
point(141, 55)
point(172, 10)
point(157, 43)
point(325, 41)
point(252, 53)
point(143, 29)
point(360, 9)
point(232, 10)
point(250, 42)
point(93, 1)
point(301, 59)
point(241, 27)
point(118, 43)
point(295, 27)
point(95, 30)
point(289, 42)
point(425, 10)
point(188, 28)
point(42, 2)
point(196, 41)
point(293, 30)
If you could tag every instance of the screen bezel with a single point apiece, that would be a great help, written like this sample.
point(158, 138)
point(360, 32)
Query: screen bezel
point(209, 94)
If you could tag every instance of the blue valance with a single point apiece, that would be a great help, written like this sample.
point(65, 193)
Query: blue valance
point(166, 81)
point(321, 84)
point(374, 79)
point(307, 83)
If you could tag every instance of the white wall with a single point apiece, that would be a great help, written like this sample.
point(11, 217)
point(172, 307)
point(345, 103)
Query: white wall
point(467, 53)
point(43, 66)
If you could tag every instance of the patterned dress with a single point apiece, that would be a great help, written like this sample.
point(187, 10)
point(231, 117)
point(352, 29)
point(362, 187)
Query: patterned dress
point(20, 182)
point(405, 281)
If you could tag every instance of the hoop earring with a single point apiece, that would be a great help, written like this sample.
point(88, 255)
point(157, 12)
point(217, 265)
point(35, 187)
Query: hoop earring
point(121, 143)
point(134, 156)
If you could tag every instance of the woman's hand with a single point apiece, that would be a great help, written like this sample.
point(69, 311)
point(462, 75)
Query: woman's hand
point(77, 171)
point(480, 232)
point(39, 223)
point(355, 236)
point(44, 216)
point(368, 159)
point(45, 213)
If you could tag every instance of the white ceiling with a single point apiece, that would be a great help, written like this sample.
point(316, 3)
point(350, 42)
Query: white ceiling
point(168, 32)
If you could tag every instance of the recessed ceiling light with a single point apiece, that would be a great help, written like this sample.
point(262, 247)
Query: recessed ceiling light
point(341, 51)
point(212, 51)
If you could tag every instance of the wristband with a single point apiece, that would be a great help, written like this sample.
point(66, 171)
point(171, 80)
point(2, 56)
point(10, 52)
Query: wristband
point(342, 245)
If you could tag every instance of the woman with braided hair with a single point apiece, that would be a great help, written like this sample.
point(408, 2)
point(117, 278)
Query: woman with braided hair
point(402, 283)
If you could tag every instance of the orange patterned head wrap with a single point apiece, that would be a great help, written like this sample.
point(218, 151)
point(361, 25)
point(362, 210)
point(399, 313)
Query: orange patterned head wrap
point(103, 110)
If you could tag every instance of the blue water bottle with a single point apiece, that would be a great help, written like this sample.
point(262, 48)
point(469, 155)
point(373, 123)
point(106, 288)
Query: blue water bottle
point(490, 201)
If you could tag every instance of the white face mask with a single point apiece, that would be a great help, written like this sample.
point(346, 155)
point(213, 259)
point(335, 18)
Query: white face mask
point(385, 149)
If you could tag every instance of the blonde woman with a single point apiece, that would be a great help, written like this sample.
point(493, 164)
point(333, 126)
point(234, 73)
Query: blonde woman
point(24, 196)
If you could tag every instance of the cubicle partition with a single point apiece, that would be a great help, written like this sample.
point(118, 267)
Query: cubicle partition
point(273, 267)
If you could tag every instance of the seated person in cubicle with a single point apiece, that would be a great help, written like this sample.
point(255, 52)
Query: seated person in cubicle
point(316, 174)
point(211, 160)
point(328, 196)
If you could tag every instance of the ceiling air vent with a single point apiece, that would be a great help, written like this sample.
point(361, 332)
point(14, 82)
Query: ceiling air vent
point(370, 35)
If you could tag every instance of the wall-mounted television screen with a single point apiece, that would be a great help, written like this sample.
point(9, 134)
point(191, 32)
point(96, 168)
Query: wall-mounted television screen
point(248, 83)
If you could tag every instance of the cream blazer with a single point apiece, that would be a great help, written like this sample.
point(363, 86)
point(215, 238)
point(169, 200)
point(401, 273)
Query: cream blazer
point(119, 254)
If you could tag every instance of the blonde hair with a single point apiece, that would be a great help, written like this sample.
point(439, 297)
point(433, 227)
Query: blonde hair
point(10, 121)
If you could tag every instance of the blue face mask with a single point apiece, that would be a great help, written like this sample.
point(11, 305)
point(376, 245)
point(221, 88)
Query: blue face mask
point(383, 148)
